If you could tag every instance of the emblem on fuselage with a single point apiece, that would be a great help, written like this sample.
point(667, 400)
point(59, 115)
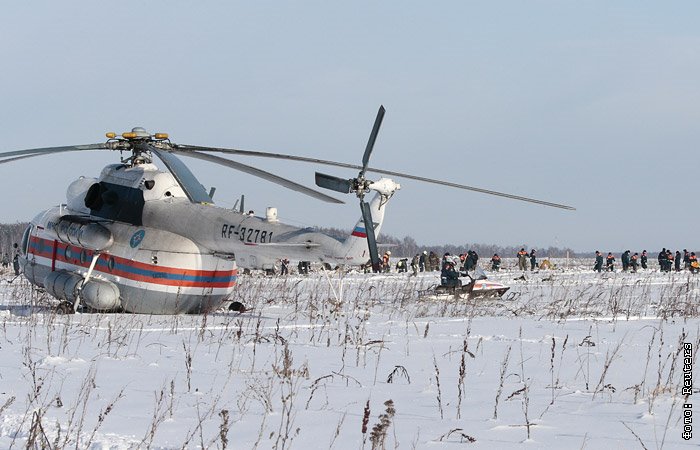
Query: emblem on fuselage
point(137, 238)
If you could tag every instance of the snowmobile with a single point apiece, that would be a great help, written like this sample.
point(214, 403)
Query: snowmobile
point(477, 286)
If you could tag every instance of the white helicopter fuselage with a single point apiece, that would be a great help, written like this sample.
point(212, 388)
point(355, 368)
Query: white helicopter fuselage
point(144, 270)
point(154, 251)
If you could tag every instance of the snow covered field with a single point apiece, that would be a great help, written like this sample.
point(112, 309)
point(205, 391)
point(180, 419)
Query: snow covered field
point(567, 359)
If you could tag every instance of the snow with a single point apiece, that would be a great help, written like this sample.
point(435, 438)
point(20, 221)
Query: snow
point(593, 361)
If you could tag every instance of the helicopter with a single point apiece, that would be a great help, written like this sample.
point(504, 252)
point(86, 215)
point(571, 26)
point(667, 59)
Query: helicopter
point(144, 240)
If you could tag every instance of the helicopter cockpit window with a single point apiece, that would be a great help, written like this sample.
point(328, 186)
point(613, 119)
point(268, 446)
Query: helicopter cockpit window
point(25, 240)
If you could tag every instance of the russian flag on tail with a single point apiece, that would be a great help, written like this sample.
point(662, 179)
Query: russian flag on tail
point(359, 232)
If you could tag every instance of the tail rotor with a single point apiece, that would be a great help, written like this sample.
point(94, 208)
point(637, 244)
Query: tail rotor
point(360, 186)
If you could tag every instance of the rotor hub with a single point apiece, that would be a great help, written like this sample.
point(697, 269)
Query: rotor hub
point(138, 141)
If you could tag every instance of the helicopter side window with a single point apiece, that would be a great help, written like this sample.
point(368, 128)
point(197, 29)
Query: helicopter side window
point(24, 249)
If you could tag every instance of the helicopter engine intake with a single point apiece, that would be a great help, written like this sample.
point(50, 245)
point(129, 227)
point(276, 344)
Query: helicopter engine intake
point(97, 294)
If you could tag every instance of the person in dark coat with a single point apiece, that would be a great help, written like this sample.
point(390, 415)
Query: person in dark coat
point(421, 260)
point(495, 262)
point(669, 260)
point(598, 262)
point(285, 266)
point(533, 260)
point(686, 259)
point(662, 259)
point(402, 265)
point(625, 259)
point(475, 259)
point(643, 259)
point(610, 262)
point(449, 276)
point(677, 261)
point(468, 262)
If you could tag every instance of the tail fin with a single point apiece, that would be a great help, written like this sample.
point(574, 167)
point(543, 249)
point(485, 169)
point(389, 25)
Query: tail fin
point(355, 246)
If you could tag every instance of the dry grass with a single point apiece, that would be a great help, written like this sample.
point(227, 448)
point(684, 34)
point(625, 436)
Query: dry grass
point(262, 372)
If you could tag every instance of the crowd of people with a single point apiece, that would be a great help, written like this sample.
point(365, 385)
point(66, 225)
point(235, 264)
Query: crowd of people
point(526, 260)
point(667, 259)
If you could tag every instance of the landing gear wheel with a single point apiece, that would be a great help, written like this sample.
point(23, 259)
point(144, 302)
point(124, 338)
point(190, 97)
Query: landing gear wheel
point(65, 308)
point(237, 306)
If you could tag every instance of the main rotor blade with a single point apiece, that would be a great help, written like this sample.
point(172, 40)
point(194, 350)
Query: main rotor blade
point(188, 182)
point(17, 158)
point(333, 183)
point(371, 237)
point(260, 174)
point(28, 153)
point(260, 154)
point(372, 139)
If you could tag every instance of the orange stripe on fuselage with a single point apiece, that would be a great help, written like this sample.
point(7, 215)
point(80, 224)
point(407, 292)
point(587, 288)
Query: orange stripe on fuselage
point(133, 270)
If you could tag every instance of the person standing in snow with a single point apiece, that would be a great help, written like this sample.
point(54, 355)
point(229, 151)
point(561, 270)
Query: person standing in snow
point(414, 265)
point(385, 262)
point(495, 262)
point(533, 260)
point(433, 262)
point(662, 259)
point(522, 259)
point(474, 259)
point(633, 262)
point(610, 263)
point(15, 260)
point(625, 258)
point(677, 261)
point(598, 262)
point(644, 259)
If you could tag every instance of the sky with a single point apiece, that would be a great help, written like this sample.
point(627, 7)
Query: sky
point(591, 104)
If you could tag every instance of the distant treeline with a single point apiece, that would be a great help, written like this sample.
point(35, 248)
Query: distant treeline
point(12, 232)
point(408, 247)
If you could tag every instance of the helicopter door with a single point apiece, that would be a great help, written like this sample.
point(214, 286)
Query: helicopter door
point(24, 249)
